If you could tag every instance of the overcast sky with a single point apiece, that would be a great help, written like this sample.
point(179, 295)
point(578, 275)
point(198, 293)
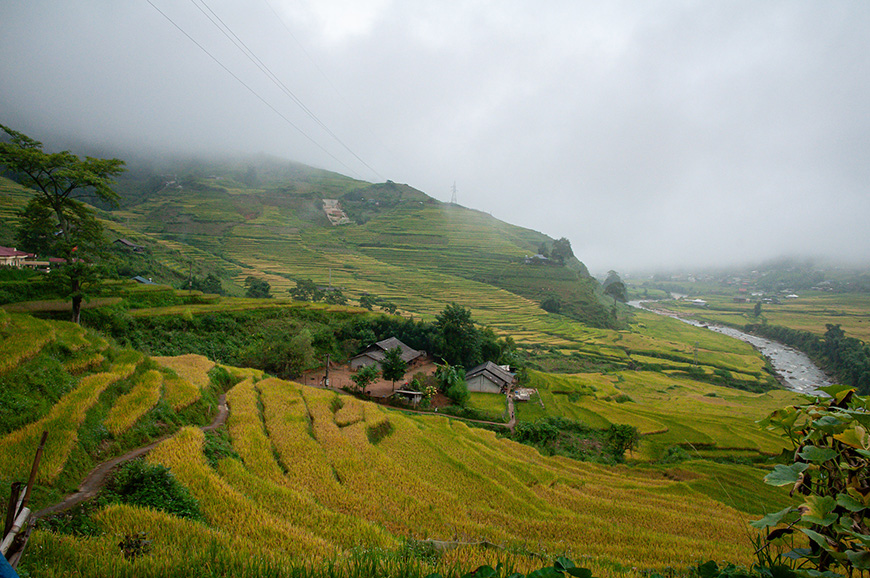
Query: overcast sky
point(648, 133)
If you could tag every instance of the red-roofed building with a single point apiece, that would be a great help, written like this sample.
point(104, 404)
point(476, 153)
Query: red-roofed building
point(11, 257)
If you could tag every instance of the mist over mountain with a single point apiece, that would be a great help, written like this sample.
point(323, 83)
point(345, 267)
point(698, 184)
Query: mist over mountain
point(650, 134)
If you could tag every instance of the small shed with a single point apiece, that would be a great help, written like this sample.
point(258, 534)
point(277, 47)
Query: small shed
point(142, 280)
point(129, 245)
point(489, 378)
point(374, 354)
point(412, 397)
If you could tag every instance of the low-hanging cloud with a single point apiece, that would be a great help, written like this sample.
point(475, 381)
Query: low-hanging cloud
point(648, 133)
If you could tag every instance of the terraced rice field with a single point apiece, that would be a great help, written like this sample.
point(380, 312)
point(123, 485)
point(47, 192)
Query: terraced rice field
point(810, 312)
point(62, 423)
point(667, 410)
point(312, 485)
point(191, 368)
point(137, 402)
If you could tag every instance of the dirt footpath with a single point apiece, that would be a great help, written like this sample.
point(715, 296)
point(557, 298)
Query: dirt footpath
point(97, 477)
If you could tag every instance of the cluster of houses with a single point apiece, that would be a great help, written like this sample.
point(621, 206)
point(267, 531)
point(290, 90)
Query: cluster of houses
point(485, 378)
point(334, 212)
point(12, 257)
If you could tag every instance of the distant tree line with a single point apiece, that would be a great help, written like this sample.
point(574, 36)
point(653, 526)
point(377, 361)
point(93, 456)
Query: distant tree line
point(288, 341)
point(847, 358)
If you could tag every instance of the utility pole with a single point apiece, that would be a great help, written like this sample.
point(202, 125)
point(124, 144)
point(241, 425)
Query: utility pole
point(453, 196)
point(326, 377)
point(696, 353)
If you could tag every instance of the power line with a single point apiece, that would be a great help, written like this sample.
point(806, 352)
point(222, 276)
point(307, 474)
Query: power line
point(323, 74)
point(251, 90)
point(224, 28)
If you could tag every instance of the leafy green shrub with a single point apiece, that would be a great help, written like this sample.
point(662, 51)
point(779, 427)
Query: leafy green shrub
point(674, 455)
point(218, 446)
point(222, 378)
point(458, 393)
point(76, 521)
point(621, 438)
point(135, 545)
point(152, 486)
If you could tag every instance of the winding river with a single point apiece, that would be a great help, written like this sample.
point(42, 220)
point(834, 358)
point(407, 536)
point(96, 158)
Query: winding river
point(796, 371)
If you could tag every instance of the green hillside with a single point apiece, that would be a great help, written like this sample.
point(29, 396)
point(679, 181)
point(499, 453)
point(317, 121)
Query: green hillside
point(267, 219)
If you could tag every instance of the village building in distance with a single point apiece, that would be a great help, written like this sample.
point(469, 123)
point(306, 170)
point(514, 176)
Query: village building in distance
point(374, 354)
point(12, 257)
point(489, 378)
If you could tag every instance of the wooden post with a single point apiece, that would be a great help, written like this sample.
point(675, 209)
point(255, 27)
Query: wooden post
point(20, 527)
point(33, 471)
point(13, 507)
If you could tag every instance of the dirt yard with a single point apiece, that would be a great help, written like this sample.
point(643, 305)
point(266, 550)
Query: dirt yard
point(339, 377)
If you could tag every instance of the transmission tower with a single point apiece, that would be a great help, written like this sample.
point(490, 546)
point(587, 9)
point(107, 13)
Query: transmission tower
point(453, 196)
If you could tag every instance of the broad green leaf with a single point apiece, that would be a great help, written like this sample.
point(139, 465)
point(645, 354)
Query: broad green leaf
point(483, 572)
point(561, 564)
point(798, 553)
point(773, 519)
point(817, 455)
point(708, 569)
point(837, 391)
point(850, 503)
point(820, 510)
point(858, 496)
point(784, 475)
point(863, 538)
point(859, 559)
point(855, 437)
point(785, 457)
point(828, 424)
point(579, 572)
point(780, 419)
point(781, 571)
point(864, 453)
point(549, 572)
point(818, 539)
point(810, 573)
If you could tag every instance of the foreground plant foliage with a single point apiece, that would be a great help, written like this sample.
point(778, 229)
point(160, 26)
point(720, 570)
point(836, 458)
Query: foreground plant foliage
point(831, 469)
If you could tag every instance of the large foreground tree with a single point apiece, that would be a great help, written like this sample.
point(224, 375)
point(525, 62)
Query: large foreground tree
point(61, 182)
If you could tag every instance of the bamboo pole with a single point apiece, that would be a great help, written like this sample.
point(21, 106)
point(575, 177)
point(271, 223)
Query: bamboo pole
point(15, 558)
point(20, 522)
